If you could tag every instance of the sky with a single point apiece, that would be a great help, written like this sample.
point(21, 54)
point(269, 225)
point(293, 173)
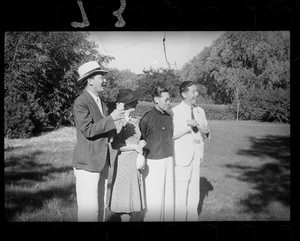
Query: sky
point(137, 51)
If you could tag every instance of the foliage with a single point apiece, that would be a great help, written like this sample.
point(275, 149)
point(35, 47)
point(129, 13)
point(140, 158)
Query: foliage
point(212, 112)
point(118, 79)
point(164, 77)
point(239, 62)
point(142, 108)
point(249, 70)
point(22, 116)
point(218, 112)
point(44, 65)
point(265, 105)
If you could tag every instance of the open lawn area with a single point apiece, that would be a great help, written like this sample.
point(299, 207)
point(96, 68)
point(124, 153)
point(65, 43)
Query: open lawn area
point(245, 175)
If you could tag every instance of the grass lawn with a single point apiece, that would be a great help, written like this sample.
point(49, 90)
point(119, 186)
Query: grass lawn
point(245, 174)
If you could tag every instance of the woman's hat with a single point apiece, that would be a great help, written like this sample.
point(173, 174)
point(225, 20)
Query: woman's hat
point(127, 95)
point(88, 69)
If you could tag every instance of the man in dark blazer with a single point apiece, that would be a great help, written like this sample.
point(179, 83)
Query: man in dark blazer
point(91, 155)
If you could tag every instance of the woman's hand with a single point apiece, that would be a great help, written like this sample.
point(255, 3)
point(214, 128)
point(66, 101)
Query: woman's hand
point(138, 148)
point(140, 161)
point(143, 143)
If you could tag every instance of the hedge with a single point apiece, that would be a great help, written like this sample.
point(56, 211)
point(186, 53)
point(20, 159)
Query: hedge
point(265, 105)
point(218, 112)
point(213, 112)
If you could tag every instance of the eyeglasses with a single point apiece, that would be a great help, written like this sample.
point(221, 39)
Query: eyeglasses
point(165, 100)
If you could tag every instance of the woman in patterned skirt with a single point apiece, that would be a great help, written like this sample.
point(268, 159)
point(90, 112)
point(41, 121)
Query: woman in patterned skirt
point(127, 195)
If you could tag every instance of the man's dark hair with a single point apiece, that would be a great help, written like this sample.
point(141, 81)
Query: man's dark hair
point(184, 86)
point(85, 82)
point(158, 90)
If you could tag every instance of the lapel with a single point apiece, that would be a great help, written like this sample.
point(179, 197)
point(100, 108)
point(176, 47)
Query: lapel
point(186, 111)
point(92, 102)
point(104, 108)
point(197, 114)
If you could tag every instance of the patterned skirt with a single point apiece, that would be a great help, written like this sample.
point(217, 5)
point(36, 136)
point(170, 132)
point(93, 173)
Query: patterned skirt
point(127, 186)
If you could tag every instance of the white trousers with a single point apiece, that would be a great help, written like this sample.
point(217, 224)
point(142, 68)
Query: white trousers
point(187, 185)
point(159, 190)
point(91, 195)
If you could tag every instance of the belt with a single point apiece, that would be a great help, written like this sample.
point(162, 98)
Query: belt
point(197, 141)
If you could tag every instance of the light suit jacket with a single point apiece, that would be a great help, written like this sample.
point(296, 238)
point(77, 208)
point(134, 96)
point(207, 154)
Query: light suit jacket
point(93, 132)
point(184, 145)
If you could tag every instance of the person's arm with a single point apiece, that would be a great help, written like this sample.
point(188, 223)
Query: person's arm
point(119, 144)
point(179, 129)
point(180, 133)
point(123, 147)
point(86, 125)
point(205, 131)
point(145, 128)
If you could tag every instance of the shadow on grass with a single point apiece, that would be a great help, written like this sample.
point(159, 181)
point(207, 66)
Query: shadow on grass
point(12, 148)
point(42, 131)
point(205, 188)
point(23, 175)
point(271, 180)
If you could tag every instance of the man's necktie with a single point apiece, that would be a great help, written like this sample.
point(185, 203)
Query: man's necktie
point(194, 128)
point(99, 105)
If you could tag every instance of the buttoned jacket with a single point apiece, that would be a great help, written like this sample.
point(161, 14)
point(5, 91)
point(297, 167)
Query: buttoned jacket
point(93, 132)
point(157, 130)
point(184, 145)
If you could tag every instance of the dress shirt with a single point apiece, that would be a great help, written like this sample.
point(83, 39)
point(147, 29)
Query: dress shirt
point(97, 100)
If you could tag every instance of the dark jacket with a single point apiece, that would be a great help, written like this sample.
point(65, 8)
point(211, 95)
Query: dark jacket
point(93, 130)
point(157, 130)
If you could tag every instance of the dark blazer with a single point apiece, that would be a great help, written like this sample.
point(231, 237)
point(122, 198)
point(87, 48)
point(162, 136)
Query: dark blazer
point(93, 131)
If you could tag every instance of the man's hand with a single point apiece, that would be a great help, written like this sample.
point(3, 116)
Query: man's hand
point(117, 114)
point(205, 130)
point(120, 106)
point(192, 123)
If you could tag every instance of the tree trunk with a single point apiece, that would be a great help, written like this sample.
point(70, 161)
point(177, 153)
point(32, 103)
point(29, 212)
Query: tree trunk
point(237, 104)
point(15, 54)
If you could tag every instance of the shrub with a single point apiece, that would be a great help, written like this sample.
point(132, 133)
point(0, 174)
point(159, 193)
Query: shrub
point(47, 63)
point(265, 105)
point(142, 108)
point(218, 112)
point(277, 106)
point(213, 112)
point(22, 117)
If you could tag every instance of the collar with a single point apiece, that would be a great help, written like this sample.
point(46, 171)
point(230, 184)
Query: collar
point(159, 111)
point(186, 105)
point(95, 97)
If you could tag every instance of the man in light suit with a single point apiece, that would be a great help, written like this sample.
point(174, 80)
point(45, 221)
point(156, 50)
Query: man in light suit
point(190, 128)
point(91, 155)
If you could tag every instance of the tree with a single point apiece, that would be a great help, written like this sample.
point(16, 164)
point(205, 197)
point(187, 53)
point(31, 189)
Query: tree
point(237, 62)
point(163, 77)
point(118, 79)
point(43, 66)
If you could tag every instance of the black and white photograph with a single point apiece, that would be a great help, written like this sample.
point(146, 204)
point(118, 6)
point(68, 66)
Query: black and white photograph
point(147, 126)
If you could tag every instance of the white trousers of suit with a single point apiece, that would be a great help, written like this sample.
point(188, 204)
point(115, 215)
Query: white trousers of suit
point(159, 190)
point(91, 194)
point(187, 185)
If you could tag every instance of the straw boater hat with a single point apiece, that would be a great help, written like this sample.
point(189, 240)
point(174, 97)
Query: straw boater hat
point(88, 69)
